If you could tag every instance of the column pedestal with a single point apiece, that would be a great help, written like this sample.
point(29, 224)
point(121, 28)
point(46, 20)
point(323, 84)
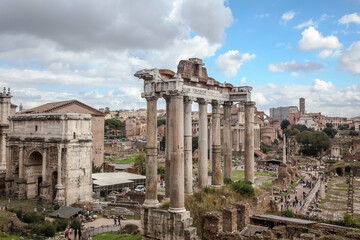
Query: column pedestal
point(9, 186)
point(21, 188)
point(44, 192)
point(59, 199)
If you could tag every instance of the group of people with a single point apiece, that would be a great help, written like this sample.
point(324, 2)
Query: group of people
point(77, 233)
point(117, 221)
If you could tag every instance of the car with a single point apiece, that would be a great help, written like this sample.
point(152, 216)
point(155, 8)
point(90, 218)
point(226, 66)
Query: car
point(140, 188)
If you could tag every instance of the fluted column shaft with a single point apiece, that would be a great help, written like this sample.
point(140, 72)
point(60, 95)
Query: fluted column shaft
point(188, 145)
point(177, 201)
point(151, 154)
point(168, 149)
point(59, 147)
point(21, 160)
point(227, 145)
point(203, 148)
point(8, 161)
point(249, 141)
point(216, 151)
point(44, 164)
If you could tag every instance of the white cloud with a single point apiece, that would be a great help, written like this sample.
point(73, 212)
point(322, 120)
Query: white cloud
point(335, 102)
point(288, 16)
point(89, 51)
point(294, 66)
point(231, 61)
point(294, 74)
point(313, 40)
point(350, 18)
point(264, 15)
point(325, 53)
point(322, 86)
point(242, 81)
point(306, 24)
point(350, 58)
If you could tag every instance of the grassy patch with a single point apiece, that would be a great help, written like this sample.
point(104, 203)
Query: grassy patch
point(267, 185)
point(13, 236)
point(130, 160)
point(115, 236)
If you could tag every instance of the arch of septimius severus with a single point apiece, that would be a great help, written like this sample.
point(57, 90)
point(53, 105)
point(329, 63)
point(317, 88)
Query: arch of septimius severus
point(190, 84)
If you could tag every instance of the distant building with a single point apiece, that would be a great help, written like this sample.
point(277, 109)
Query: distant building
point(282, 113)
point(308, 121)
point(302, 106)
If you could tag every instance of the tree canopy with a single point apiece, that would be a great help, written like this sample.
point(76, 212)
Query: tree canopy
point(140, 163)
point(114, 123)
point(161, 122)
point(314, 142)
point(284, 124)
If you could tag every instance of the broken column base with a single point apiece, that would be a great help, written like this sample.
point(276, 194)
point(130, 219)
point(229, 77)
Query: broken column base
point(162, 224)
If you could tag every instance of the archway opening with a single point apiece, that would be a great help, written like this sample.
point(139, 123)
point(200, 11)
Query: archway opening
point(53, 184)
point(339, 171)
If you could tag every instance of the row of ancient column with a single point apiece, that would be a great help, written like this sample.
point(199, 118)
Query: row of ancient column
point(178, 153)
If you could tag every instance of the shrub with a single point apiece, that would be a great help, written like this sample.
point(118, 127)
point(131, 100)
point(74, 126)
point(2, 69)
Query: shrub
point(60, 224)
point(228, 181)
point(165, 205)
point(32, 217)
point(243, 188)
point(130, 229)
point(208, 190)
point(56, 207)
point(48, 229)
point(348, 220)
point(288, 213)
point(76, 224)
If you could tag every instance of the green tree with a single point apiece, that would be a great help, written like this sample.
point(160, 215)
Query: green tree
point(344, 127)
point(284, 124)
point(313, 143)
point(161, 122)
point(162, 143)
point(114, 124)
point(353, 133)
point(288, 132)
point(195, 143)
point(140, 163)
point(300, 127)
point(264, 148)
point(330, 132)
point(329, 125)
point(161, 172)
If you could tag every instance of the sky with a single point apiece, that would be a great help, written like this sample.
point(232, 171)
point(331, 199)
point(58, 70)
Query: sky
point(89, 50)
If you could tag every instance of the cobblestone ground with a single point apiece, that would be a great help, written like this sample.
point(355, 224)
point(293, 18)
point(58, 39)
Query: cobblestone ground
point(357, 197)
point(335, 203)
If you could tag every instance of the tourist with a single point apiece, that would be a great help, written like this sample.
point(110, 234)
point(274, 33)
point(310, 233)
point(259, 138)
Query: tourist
point(89, 238)
point(79, 233)
point(67, 232)
point(75, 233)
point(119, 218)
point(115, 223)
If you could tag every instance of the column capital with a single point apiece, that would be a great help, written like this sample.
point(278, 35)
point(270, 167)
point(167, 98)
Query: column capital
point(21, 145)
point(250, 103)
point(203, 101)
point(227, 104)
point(188, 99)
point(60, 146)
point(151, 98)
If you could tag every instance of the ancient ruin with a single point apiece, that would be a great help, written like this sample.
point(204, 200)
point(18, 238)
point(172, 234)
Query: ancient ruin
point(180, 90)
point(49, 157)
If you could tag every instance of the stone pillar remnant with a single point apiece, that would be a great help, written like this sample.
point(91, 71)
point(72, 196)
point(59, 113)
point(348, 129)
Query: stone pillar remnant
point(203, 148)
point(216, 148)
point(151, 154)
point(249, 141)
point(284, 149)
point(188, 146)
point(227, 145)
point(177, 155)
point(59, 199)
point(168, 149)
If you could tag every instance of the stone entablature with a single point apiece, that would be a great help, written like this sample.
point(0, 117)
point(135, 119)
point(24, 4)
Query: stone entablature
point(49, 157)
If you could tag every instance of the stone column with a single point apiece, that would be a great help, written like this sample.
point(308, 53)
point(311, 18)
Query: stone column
point(237, 138)
point(21, 182)
point(210, 143)
point(177, 155)
point(44, 186)
point(3, 151)
point(59, 199)
point(249, 141)
point(188, 145)
point(227, 145)
point(216, 148)
point(151, 200)
point(168, 149)
point(203, 148)
point(9, 179)
point(284, 149)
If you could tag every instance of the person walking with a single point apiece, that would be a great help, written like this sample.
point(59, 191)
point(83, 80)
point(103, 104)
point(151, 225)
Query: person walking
point(115, 224)
point(79, 233)
point(119, 218)
point(75, 233)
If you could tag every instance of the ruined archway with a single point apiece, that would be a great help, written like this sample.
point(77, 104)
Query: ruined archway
point(339, 171)
point(347, 170)
point(33, 174)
